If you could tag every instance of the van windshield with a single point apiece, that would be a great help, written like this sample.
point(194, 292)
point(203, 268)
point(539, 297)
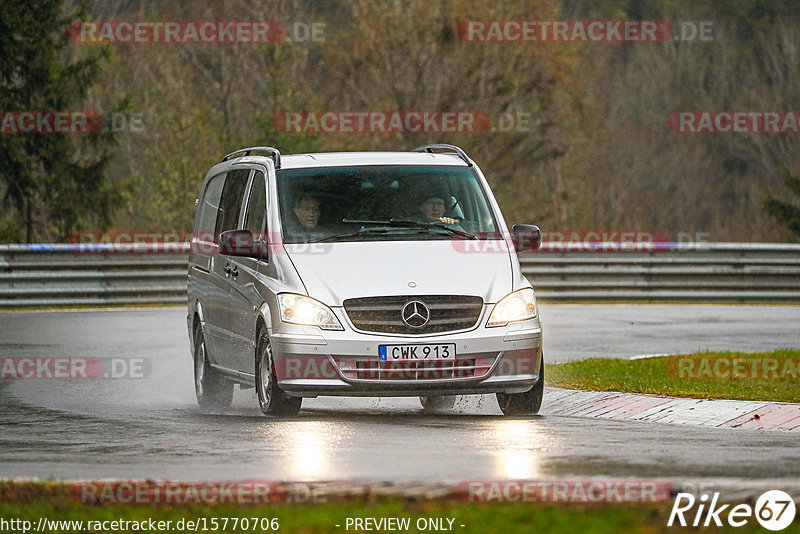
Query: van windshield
point(366, 202)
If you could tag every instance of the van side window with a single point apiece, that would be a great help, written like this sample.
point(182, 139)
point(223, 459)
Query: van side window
point(207, 210)
point(230, 205)
point(255, 217)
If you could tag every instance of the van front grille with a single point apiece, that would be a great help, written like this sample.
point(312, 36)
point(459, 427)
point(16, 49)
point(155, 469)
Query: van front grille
point(446, 313)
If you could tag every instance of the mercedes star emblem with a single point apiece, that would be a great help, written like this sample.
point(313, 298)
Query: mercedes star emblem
point(416, 314)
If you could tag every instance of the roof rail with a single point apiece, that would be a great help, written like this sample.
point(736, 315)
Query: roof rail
point(452, 149)
point(274, 152)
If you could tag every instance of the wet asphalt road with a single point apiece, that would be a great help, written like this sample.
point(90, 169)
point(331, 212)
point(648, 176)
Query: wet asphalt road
point(152, 427)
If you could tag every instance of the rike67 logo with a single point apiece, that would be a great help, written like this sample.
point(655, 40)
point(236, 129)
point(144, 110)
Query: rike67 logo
point(774, 510)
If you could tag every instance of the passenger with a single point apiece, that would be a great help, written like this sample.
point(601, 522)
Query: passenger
point(303, 222)
point(307, 210)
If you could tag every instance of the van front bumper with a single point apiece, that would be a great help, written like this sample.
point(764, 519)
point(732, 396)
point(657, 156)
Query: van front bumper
point(311, 362)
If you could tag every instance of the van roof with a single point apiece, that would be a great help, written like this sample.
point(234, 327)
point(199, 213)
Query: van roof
point(342, 159)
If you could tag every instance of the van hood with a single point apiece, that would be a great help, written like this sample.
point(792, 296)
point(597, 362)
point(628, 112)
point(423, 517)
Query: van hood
point(335, 272)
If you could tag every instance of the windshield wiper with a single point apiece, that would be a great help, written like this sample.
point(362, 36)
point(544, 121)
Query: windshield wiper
point(353, 234)
point(403, 223)
point(384, 227)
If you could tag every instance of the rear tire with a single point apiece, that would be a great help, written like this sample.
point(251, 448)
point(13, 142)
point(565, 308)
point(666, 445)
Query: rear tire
point(271, 399)
point(438, 403)
point(528, 403)
point(211, 387)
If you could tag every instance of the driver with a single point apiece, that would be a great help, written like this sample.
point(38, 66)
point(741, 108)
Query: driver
point(432, 207)
point(433, 210)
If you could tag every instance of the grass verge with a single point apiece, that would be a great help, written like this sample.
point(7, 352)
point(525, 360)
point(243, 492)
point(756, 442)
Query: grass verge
point(763, 376)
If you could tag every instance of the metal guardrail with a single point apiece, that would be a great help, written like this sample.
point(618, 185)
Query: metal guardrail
point(72, 275)
point(713, 272)
point(67, 275)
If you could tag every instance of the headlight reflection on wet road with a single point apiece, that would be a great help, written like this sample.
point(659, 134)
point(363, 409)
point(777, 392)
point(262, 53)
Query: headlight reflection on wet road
point(517, 443)
point(307, 443)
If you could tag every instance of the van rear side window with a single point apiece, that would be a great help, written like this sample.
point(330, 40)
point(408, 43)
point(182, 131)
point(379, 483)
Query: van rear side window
point(230, 204)
point(207, 211)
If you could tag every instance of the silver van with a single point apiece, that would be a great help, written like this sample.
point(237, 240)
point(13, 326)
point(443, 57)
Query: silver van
point(363, 273)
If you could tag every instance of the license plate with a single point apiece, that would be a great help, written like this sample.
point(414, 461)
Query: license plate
point(405, 353)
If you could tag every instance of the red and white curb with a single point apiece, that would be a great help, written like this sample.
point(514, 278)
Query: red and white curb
point(750, 415)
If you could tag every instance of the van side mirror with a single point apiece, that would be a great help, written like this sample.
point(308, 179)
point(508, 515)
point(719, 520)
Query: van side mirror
point(526, 237)
point(239, 243)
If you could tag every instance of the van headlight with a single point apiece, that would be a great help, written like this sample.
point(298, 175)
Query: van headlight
point(302, 310)
point(517, 306)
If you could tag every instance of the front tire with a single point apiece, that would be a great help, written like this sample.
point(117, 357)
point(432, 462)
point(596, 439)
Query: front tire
point(272, 400)
point(211, 387)
point(528, 403)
